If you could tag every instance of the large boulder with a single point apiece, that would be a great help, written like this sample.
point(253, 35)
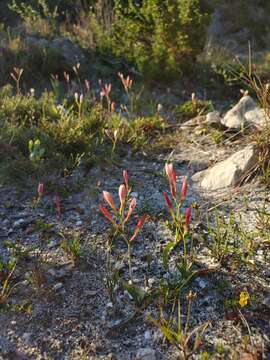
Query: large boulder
point(228, 172)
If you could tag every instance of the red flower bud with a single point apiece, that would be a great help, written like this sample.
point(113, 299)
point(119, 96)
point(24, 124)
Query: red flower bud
point(168, 201)
point(106, 213)
point(188, 215)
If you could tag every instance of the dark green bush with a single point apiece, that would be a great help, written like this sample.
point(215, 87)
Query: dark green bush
point(162, 37)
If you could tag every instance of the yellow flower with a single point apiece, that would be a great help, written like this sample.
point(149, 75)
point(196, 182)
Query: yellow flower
point(244, 298)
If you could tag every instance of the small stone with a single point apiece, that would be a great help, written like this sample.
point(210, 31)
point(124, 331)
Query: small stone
point(202, 284)
point(19, 223)
point(146, 354)
point(147, 335)
point(151, 281)
point(52, 244)
point(57, 286)
point(134, 194)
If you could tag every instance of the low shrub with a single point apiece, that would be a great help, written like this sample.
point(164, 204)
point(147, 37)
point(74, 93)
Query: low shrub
point(162, 37)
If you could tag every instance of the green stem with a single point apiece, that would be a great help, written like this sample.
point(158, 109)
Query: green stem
point(188, 316)
point(129, 262)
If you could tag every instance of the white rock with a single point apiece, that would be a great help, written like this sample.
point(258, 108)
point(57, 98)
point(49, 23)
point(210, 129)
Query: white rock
point(228, 172)
point(146, 354)
point(235, 118)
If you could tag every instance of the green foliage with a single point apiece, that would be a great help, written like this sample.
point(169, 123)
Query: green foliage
point(231, 74)
point(162, 37)
point(193, 108)
point(72, 246)
point(37, 18)
point(142, 129)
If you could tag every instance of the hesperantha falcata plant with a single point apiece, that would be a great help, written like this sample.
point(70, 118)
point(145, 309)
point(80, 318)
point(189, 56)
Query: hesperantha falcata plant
point(179, 222)
point(120, 217)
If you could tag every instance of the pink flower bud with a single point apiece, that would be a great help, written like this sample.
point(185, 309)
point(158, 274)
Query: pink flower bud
point(40, 189)
point(172, 178)
point(125, 176)
point(109, 200)
point(113, 106)
point(122, 194)
point(168, 201)
point(132, 206)
point(138, 227)
point(169, 169)
point(106, 213)
point(184, 189)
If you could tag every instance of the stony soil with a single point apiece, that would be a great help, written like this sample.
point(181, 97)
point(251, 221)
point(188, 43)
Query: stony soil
point(59, 310)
